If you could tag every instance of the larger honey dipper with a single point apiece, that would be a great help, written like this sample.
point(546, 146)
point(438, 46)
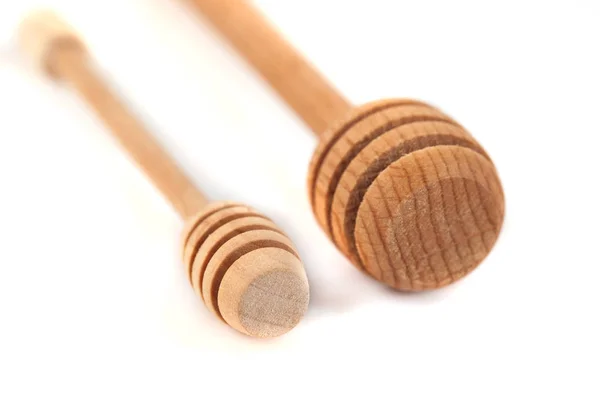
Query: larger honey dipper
point(402, 189)
point(242, 265)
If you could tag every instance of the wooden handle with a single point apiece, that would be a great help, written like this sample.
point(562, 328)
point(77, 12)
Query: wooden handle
point(296, 81)
point(58, 51)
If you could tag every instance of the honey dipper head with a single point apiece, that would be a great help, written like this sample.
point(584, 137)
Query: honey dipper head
point(246, 270)
point(407, 194)
point(41, 34)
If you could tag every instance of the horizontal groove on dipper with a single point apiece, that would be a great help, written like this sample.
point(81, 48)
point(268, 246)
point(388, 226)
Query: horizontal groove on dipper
point(390, 157)
point(216, 225)
point(225, 239)
point(341, 131)
point(360, 145)
point(236, 255)
point(204, 217)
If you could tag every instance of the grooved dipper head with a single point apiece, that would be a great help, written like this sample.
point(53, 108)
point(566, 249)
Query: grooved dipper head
point(407, 194)
point(246, 270)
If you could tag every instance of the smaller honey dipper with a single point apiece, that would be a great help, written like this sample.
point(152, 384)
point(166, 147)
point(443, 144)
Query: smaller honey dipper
point(238, 261)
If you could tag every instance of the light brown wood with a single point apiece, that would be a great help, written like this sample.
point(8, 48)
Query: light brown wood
point(402, 190)
point(226, 234)
point(231, 250)
point(256, 303)
point(62, 54)
point(300, 85)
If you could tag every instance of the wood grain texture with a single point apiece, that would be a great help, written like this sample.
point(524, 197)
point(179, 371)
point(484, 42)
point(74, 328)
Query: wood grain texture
point(238, 261)
point(245, 269)
point(267, 301)
point(402, 190)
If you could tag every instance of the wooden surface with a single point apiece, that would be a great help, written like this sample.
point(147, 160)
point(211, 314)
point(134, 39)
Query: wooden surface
point(402, 190)
point(231, 251)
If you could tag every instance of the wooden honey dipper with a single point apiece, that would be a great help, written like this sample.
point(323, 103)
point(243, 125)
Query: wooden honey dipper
point(239, 262)
point(402, 189)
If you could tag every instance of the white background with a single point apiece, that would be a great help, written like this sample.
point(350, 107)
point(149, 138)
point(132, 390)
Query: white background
point(93, 300)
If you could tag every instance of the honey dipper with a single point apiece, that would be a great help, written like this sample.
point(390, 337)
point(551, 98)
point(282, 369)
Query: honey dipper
point(239, 262)
point(402, 189)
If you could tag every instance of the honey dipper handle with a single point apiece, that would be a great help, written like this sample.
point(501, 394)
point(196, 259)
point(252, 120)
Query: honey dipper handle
point(295, 80)
point(56, 48)
point(72, 65)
